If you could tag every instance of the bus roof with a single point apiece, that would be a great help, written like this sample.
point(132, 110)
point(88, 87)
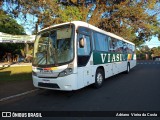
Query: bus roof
point(84, 24)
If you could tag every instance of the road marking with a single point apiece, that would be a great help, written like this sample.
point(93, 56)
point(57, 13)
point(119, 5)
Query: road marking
point(151, 63)
point(18, 95)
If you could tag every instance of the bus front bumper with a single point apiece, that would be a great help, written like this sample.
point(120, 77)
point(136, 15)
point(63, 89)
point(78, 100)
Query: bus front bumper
point(66, 83)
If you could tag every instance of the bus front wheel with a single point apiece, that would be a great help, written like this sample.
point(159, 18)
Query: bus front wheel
point(99, 78)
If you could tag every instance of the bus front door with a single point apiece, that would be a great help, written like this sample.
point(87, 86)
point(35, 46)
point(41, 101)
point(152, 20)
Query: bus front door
point(84, 67)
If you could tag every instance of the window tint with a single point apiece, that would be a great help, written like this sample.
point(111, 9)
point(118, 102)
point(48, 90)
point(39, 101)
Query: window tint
point(86, 49)
point(129, 48)
point(84, 30)
point(133, 49)
point(119, 46)
point(101, 42)
point(112, 44)
point(125, 47)
point(92, 39)
point(83, 51)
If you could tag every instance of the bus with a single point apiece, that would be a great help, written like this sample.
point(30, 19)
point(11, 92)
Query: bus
point(72, 55)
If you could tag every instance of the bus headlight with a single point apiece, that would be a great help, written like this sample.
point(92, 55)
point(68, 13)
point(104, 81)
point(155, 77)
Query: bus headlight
point(66, 72)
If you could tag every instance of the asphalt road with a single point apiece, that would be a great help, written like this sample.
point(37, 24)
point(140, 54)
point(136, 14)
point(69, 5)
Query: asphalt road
point(137, 91)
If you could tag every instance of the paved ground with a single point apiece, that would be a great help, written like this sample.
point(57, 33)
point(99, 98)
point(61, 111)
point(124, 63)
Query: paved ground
point(137, 91)
point(17, 87)
point(145, 62)
point(14, 87)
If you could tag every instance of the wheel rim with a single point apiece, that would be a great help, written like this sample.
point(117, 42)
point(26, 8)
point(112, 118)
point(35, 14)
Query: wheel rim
point(99, 78)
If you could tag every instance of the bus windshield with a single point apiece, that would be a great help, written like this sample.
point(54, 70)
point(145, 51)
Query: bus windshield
point(54, 47)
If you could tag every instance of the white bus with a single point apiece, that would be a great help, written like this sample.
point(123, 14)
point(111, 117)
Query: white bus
point(73, 55)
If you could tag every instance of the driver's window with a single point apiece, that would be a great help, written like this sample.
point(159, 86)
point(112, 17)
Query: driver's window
point(87, 47)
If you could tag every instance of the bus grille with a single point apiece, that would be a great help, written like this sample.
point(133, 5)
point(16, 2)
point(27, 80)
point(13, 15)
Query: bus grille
point(49, 85)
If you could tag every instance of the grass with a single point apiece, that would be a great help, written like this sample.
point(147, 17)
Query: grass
point(15, 73)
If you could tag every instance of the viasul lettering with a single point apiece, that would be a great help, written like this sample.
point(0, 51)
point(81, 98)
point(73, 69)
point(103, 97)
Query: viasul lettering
point(103, 57)
point(112, 57)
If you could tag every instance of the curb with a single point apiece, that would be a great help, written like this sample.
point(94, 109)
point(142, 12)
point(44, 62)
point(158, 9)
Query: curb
point(15, 65)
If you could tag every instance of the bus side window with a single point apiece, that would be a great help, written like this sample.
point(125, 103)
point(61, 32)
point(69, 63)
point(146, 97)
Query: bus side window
point(101, 42)
point(106, 43)
point(92, 40)
point(112, 44)
point(115, 44)
point(119, 46)
point(125, 47)
point(133, 49)
point(130, 48)
point(97, 44)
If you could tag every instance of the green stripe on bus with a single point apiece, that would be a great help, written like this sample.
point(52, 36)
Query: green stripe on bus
point(102, 57)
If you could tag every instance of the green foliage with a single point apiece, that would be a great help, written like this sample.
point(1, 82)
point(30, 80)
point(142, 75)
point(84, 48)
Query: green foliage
point(143, 53)
point(9, 25)
point(70, 13)
point(15, 73)
point(134, 20)
point(156, 51)
point(143, 50)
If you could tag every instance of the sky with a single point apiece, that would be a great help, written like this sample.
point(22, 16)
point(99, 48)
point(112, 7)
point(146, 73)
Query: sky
point(28, 25)
point(154, 42)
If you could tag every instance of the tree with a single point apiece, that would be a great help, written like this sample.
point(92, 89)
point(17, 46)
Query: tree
point(10, 26)
point(134, 20)
point(143, 52)
point(130, 20)
point(155, 51)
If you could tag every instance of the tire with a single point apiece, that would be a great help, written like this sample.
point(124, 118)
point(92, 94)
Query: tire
point(99, 78)
point(128, 68)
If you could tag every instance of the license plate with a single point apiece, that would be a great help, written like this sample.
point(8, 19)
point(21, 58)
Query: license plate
point(46, 71)
point(45, 81)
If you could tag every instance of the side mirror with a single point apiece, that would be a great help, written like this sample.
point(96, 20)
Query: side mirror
point(81, 42)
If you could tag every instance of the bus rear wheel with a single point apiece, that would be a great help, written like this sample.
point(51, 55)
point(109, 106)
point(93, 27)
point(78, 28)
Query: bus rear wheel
point(99, 78)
